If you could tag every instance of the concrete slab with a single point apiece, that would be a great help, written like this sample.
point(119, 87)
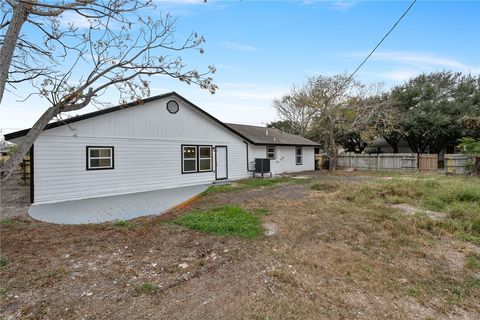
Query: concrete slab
point(111, 208)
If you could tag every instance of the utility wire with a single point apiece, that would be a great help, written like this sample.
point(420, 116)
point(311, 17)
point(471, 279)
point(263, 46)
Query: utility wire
point(384, 37)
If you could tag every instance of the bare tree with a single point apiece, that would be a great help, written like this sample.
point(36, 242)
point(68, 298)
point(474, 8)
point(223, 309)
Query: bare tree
point(334, 105)
point(113, 53)
point(294, 108)
point(26, 58)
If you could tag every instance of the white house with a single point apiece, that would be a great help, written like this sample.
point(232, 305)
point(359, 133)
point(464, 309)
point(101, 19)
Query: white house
point(163, 142)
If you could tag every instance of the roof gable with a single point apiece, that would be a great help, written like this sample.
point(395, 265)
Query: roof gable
point(139, 103)
point(252, 134)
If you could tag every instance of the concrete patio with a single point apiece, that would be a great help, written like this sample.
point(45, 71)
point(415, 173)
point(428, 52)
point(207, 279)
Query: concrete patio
point(111, 208)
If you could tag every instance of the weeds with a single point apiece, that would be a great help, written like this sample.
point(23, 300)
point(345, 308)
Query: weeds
point(226, 220)
point(3, 262)
point(457, 197)
point(254, 183)
point(472, 262)
point(11, 221)
point(325, 187)
point(146, 288)
point(123, 224)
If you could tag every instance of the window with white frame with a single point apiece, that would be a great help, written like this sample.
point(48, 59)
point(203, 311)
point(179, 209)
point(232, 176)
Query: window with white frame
point(298, 155)
point(271, 152)
point(99, 158)
point(205, 158)
point(189, 159)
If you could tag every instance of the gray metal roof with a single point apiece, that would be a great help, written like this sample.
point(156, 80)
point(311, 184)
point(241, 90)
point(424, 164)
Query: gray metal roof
point(270, 136)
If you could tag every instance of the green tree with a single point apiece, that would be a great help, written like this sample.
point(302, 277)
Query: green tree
point(328, 108)
point(430, 109)
point(471, 147)
point(386, 122)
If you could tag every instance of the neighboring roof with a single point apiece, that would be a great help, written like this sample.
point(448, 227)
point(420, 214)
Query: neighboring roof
point(270, 136)
point(381, 142)
point(21, 133)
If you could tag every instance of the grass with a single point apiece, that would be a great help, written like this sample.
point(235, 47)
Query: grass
point(457, 197)
point(255, 183)
point(224, 221)
point(3, 262)
point(146, 288)
point(10, 221)
point(334, 254)
point(122, 223)
point(472, 262)
point(325, 187)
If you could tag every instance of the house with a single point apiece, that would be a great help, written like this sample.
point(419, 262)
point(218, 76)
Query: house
point(380, 145)
point(162, 142)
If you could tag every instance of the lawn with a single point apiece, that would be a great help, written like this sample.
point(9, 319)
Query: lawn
point(343, 247)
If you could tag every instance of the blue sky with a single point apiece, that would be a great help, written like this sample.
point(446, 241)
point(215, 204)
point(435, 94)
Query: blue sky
point(261, 48)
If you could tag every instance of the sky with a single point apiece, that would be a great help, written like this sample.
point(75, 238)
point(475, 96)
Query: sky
point(262, 48)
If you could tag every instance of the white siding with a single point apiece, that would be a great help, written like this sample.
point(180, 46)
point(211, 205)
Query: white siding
point(147, 152)
point(285, 158)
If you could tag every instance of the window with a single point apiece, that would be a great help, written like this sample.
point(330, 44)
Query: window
point(298, 155)
point(197, 159)
point(205, 158)
point(189, 159)
point(99, 158)
point(271, 152)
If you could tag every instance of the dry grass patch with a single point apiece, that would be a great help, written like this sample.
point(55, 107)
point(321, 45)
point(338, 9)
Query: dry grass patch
point(345, 254)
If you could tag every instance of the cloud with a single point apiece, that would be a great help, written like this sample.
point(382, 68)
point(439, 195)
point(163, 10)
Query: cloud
point(400, 75)
point(343, 5)
point(239, 46)
point(422, 60)
point(69, 18)
point(254, 91)
point(180, 1)
point(395, 75)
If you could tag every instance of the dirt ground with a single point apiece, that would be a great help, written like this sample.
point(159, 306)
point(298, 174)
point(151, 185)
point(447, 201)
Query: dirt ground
point(14, 198)
point(329, 259)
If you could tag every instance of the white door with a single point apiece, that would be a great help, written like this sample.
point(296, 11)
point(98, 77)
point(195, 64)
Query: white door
point(221, 163)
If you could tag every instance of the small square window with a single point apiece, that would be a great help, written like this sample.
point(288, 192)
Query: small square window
point(99, 158)
point(271, 152)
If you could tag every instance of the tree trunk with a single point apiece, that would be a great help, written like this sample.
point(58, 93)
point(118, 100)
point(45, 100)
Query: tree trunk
point(477, 166)
point(8, 167)
point(19, 16)
point(332, 146)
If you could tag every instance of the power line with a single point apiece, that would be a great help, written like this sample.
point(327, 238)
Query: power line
point(384, 37)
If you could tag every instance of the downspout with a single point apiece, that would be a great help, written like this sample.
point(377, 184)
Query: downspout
point(248, 167)
point(32, 181)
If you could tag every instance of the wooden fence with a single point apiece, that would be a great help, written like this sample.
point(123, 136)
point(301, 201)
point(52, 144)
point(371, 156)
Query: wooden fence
point(23, 168)
point(456, 163)
point(428, 163)
point(381, 161)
